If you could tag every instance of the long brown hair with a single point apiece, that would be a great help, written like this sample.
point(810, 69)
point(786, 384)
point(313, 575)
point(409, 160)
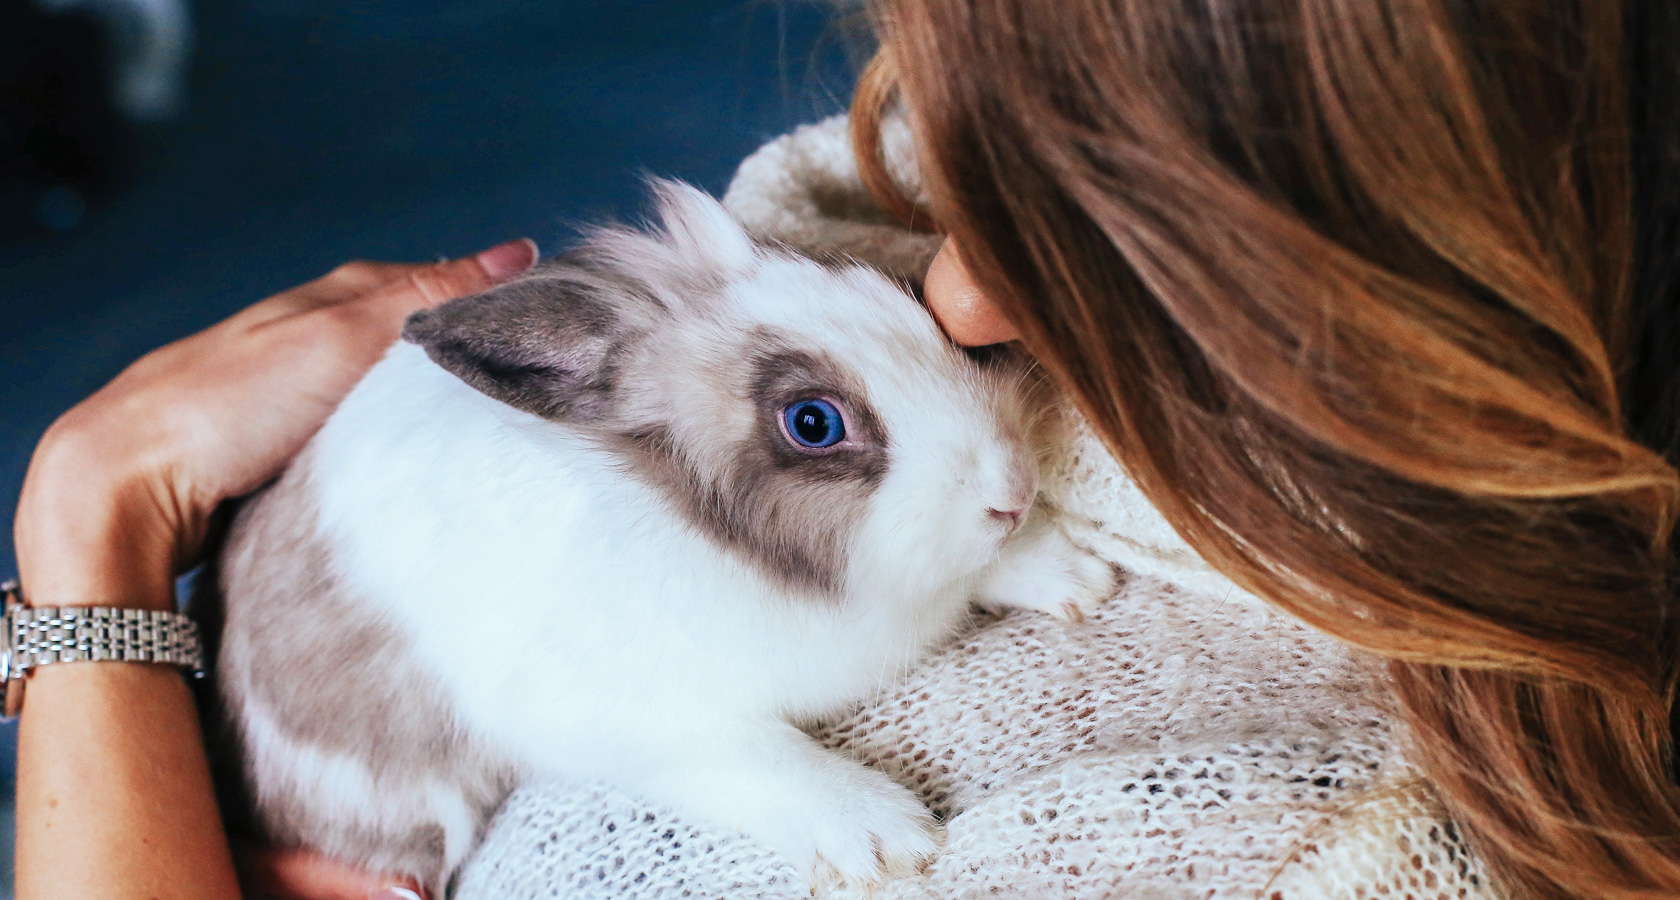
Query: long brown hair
point(1352, 289)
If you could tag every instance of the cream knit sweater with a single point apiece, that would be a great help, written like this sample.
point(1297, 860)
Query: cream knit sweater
point(1187, 741)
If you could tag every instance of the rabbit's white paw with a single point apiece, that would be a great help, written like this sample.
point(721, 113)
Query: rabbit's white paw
point(857, 831)
point(834, 820)
point(1042, 569)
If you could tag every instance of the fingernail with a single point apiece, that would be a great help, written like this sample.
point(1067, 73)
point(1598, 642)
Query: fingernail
point(504, 261)
point(397, 893)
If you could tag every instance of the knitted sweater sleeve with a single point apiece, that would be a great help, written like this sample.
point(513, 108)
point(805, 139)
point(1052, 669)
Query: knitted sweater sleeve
point(1186, 741)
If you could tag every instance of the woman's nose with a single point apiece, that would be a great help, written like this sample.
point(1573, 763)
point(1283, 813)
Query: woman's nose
point(960, 306)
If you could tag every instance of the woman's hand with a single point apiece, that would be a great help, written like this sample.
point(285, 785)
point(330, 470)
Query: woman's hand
point(114, 793)
point(295, 875)
point(121, 488)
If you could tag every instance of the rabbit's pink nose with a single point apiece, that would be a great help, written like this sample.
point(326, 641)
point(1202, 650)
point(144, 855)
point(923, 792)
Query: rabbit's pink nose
point(1011, 518)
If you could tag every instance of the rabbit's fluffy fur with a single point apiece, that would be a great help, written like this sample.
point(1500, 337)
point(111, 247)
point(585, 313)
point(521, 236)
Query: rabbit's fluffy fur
point(560, 531)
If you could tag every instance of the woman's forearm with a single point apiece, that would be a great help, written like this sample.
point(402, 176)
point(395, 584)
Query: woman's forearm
point(95, 818)
point(114, 792)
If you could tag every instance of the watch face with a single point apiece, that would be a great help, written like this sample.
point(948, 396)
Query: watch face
point(9, 595)
point(12, 598)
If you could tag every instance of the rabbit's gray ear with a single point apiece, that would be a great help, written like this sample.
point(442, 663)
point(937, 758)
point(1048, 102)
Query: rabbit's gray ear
point(547, 343)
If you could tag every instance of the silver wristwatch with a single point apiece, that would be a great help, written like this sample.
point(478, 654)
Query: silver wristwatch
point(37, 637)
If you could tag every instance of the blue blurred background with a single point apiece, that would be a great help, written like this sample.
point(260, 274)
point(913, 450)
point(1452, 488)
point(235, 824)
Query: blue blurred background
point(310, 132)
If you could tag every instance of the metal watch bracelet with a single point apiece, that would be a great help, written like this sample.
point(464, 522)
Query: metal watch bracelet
point(37, 637)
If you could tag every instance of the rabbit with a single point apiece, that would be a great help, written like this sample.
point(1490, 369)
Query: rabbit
point(635, 516)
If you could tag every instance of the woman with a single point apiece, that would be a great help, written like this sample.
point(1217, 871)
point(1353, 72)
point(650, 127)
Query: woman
point(1374, 302)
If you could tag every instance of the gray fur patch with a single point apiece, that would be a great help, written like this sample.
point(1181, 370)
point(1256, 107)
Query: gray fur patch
point(790, 513)
point(335, 677)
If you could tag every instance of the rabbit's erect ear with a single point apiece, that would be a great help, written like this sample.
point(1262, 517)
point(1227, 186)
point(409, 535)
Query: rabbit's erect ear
point(548, 343)
point(698, 230)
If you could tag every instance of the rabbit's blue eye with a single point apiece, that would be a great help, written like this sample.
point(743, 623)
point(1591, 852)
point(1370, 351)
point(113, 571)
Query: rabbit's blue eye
point(814, 423)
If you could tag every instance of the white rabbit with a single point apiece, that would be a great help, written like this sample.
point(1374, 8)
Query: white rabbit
point(632, 517)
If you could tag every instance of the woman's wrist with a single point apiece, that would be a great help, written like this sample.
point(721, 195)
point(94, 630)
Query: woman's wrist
point(87, 534)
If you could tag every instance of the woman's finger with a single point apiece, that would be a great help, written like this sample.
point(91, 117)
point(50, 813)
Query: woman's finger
point(297, 875)
point(428, 286)
point(346, 282)
point(374, 321)
point(403, 286)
